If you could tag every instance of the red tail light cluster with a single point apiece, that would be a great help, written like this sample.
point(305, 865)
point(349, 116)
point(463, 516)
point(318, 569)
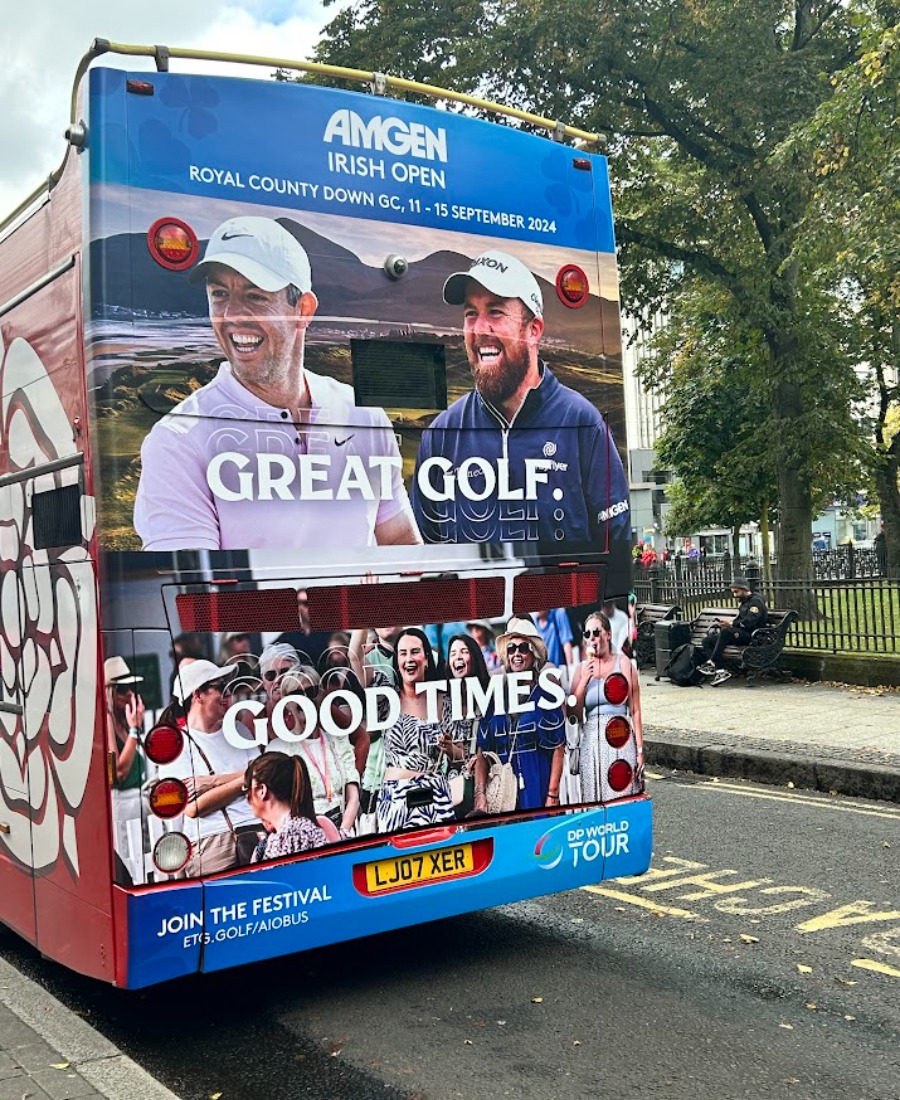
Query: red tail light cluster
point(620, 775)
point(163, 744)
point(173, 244)
point(572, 287)
point(168, 798)
point(615, 688)
point(618, 731)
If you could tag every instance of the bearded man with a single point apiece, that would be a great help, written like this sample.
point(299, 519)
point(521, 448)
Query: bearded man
point(528, 458)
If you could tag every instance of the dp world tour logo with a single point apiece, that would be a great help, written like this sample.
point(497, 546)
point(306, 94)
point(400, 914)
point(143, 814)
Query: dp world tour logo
point(586, 842)
point(550, 848)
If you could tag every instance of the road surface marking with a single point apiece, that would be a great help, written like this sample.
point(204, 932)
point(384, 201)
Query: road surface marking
point(798, 799)
point(878, 967)
point(644, 903)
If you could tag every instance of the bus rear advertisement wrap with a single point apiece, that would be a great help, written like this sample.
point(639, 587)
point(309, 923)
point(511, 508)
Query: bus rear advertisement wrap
point(311, 493)
point(346, 333)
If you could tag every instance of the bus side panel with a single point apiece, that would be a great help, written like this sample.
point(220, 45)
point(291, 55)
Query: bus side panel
point(50, 656)
point(278, 910)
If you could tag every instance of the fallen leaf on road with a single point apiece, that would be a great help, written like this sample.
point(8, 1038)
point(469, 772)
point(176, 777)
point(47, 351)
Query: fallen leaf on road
point(792, 1080)
point(811, 1005)
point(537, 1000)
point(576, 1042)
point(468, 1043)
point(787, 1027)
point(845, 981)
point(849, 1017)
point(749, 939)
point(790, 785)
point(60, 1065)
point(214, 1095)
point(804, 969)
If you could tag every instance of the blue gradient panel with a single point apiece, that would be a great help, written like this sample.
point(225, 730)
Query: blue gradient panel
point(345, 153)
point(279, 910)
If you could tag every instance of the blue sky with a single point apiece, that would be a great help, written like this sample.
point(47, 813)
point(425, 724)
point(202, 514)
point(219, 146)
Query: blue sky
point(42, 43)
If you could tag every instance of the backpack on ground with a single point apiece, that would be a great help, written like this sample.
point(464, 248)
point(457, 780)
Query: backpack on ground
point(682, 666)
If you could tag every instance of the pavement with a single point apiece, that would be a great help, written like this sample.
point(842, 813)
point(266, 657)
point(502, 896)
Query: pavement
point(827, 737)
point(817, 736)
point(47, 1052)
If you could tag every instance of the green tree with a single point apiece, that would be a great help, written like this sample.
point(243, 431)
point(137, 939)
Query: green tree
point(693, 100)
point(851, 237)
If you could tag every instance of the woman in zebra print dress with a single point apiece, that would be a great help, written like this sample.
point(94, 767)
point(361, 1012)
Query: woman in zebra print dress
point(413, 792)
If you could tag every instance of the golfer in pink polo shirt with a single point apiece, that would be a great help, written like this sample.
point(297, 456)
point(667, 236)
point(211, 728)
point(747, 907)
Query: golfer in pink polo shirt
point(267, 454)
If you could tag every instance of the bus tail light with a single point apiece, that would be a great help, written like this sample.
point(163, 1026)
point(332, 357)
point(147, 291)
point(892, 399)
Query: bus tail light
point(163, 744)
point(618, 731)
point(168, 798)
point(171, 853)
point(572, 287)
point(620, 775)
point(615, 688)
point(173, 244)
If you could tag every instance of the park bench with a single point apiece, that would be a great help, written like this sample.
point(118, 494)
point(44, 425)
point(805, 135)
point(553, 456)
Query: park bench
point(648, 615)
point(761, 656)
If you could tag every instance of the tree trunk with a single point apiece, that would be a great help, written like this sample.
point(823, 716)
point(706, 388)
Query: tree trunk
point(889, 497)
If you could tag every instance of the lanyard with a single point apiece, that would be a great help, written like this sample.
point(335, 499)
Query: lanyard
point(323, 770)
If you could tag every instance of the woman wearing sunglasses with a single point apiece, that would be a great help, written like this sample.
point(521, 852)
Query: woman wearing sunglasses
point(415, 792)
point(534, 740)
point(465, 661)
point(607, 707)
point(329, 758)
point(280, 795)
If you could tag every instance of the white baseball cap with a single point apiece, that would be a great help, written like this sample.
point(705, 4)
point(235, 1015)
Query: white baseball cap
point(502, 275)
point(262, 251)
point(191, 677)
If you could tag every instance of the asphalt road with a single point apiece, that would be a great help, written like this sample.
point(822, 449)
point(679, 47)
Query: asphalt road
point(760, 957)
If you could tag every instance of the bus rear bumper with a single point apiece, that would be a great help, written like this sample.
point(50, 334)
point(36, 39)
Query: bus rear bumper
point(281, 908)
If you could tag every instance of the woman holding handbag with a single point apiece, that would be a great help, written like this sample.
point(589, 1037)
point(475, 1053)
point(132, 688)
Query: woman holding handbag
point(605, 701)
point(414, 792)
point(533, 741)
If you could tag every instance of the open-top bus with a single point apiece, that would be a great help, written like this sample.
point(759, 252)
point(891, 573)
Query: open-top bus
point(285, 370)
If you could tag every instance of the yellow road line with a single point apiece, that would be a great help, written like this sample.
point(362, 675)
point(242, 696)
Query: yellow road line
point(644, 903)
point(797, 799)
point(878, 967)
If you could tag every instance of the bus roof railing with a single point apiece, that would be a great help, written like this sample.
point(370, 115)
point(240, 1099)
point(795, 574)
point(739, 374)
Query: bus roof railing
point(378, 81)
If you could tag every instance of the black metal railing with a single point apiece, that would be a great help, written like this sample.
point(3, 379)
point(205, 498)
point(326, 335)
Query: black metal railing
point(858, 614)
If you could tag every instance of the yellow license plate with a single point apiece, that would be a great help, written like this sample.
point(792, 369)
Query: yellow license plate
point(417, 868)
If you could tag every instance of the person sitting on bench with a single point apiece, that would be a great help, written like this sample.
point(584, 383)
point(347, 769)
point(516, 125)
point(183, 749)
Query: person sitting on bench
point(751, 614)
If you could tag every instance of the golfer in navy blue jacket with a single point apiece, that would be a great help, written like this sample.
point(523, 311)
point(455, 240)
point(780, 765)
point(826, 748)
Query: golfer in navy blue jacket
point(522, 457)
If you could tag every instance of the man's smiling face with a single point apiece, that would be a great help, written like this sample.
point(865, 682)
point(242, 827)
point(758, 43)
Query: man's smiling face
point(260, 332)
point(502, 338)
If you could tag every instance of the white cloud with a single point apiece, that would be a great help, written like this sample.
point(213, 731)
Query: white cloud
point(42, 44)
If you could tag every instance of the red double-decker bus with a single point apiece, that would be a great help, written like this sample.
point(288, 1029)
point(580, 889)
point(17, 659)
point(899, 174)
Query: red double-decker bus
point(312, 523)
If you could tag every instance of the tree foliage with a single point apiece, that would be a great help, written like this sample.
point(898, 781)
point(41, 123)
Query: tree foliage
point(694, 103)
point(851, 237)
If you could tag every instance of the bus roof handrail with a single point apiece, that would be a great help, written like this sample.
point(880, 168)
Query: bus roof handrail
point(161, 55)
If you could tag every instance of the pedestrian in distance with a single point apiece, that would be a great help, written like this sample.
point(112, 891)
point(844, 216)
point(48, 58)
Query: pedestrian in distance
point(752, 614)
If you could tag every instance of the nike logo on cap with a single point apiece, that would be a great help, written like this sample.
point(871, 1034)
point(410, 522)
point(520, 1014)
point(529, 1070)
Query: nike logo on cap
point(230, 236)
point(341, 442)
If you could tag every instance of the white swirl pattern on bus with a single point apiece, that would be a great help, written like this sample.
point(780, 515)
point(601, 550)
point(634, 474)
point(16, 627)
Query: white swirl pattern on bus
point(48, 631)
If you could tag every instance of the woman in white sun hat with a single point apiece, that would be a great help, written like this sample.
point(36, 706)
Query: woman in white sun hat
point(533, 741)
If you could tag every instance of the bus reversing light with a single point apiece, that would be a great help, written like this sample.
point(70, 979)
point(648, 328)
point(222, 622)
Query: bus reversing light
point(171, 853)
point(620, 775)
point(168, 798)
point(572, 286)
point(615, 688)
point(172, 243)
point(618, 731)
point(163, 744)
